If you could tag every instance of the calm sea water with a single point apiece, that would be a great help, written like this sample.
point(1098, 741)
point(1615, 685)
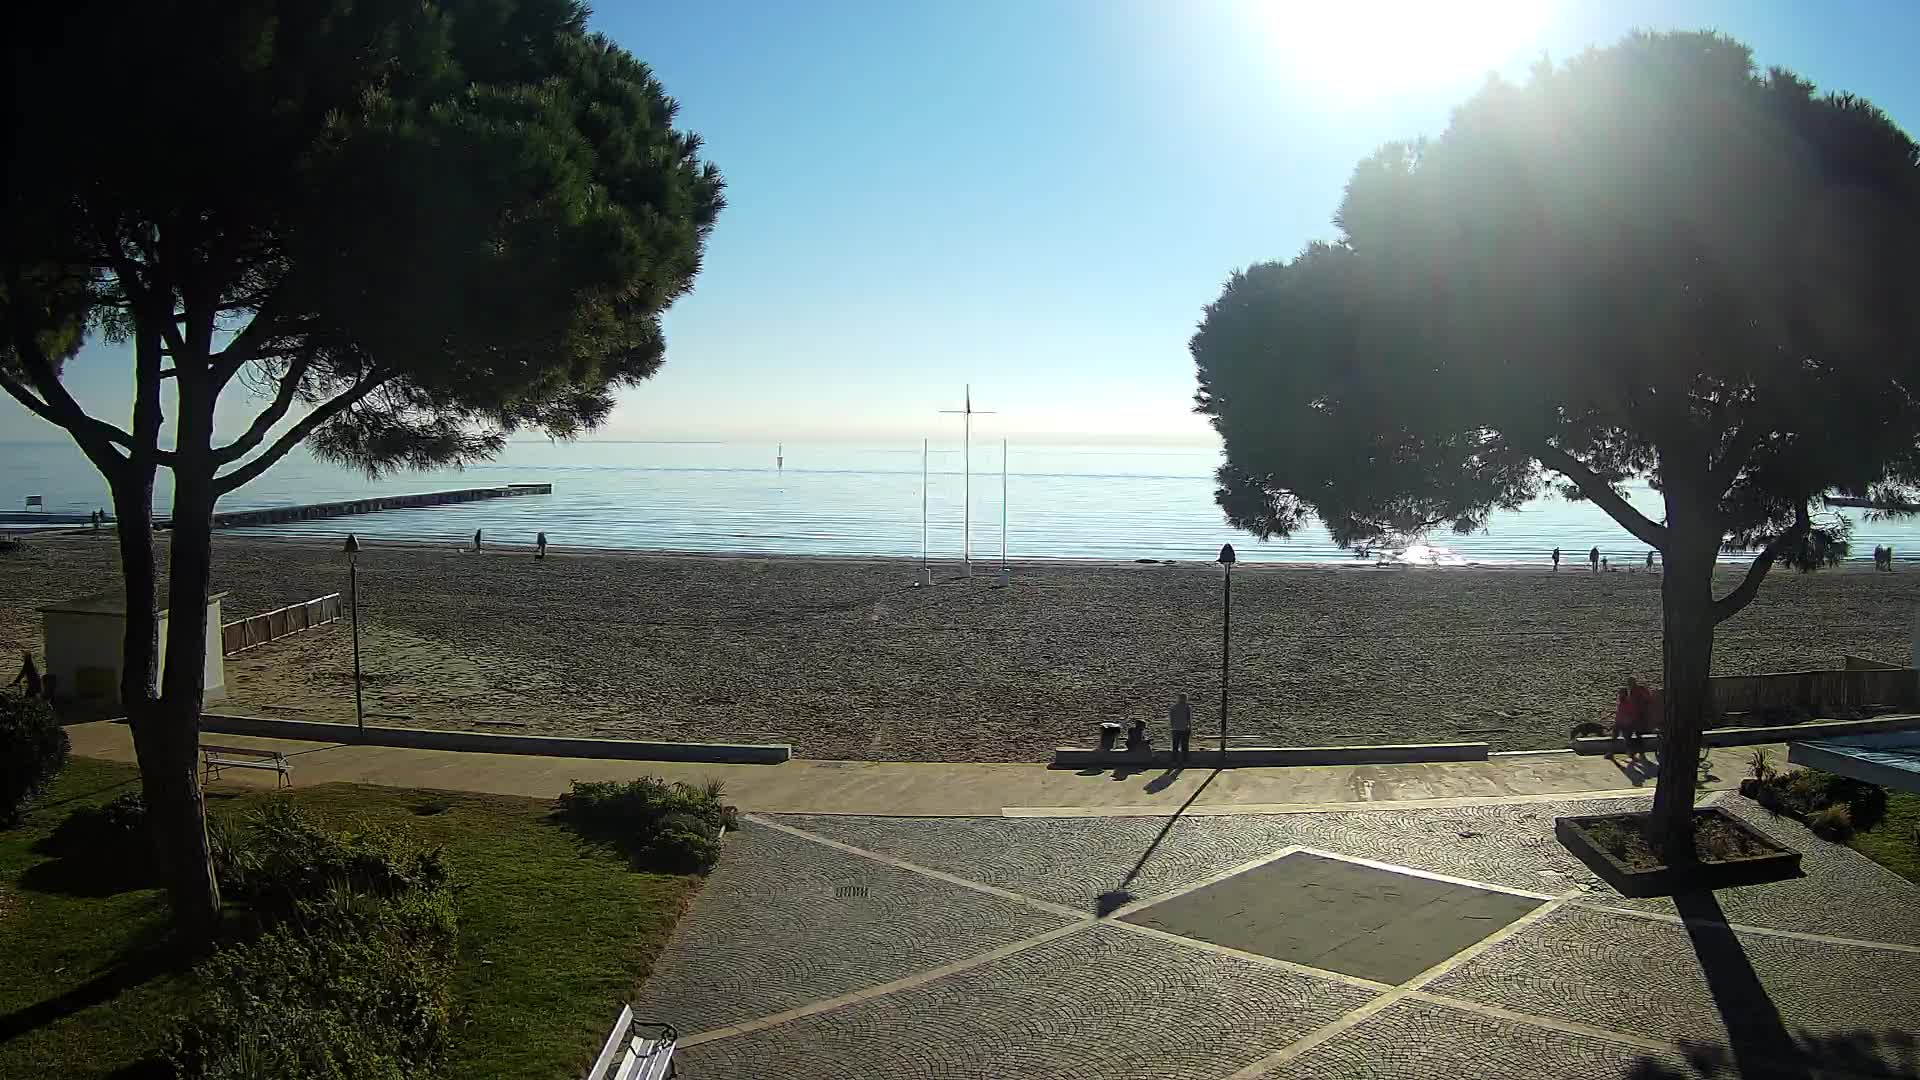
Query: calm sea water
point(1061, 502)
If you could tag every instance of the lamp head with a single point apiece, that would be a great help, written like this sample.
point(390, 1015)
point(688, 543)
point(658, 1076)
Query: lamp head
point(353, 545)
point(1226, 555)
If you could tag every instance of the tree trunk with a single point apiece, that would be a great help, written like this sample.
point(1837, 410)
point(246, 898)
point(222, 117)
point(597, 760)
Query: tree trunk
point(1687, 621)
point(179, 819)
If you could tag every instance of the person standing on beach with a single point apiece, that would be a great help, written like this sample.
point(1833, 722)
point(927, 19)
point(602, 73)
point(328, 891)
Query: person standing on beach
point(476, 539)
point(1593, 558)
point(540, 546)
point(1649, 562)
point(1556, 559)
point(1180, 720)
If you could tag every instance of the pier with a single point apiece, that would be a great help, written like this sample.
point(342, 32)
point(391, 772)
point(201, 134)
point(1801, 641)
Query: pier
point(275, 515)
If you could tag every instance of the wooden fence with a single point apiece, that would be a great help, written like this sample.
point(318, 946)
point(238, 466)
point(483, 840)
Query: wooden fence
point(244, 634)
point(1820, 691)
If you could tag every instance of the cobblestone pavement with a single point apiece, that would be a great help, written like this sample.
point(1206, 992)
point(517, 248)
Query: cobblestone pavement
point(988, 948)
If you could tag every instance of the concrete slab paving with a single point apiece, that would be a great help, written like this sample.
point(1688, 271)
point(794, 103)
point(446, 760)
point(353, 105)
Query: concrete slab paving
point(1339, 915)
point(1101, 1002)
point(1675, 983)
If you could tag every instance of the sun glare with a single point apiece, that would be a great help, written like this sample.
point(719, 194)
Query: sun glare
point(1371, 49)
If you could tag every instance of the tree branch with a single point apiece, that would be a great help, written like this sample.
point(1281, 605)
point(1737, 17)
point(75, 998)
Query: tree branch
point(1729, 605)
point(283, 400)
point(1595, 487)
point(1727, 469)
point(246, 345)
point(53, 403)
point(293, 435)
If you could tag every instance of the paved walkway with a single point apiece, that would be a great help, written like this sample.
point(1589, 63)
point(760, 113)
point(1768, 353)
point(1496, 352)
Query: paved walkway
point(1431, 943)
point(939, 789)
point(1418, 922)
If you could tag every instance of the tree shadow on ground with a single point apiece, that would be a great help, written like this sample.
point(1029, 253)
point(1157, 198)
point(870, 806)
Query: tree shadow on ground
point(1758, 1042)
point(1849, 1055)
point(132, 969)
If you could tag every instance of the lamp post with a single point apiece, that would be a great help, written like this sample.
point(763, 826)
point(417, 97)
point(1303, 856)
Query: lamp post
point(353, 601)
point(1226, 625)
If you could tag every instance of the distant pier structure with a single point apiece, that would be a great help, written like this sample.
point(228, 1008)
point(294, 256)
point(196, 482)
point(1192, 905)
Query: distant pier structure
point(275, 515)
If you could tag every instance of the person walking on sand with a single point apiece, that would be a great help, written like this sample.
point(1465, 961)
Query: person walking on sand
point(1556, 559)
point(1649, 562)
point(540, 546)
point(1593, 558)
point(1180, 720)
point(476, 539)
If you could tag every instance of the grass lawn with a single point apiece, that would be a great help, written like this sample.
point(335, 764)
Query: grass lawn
point(554, 934)
point(1891, 842)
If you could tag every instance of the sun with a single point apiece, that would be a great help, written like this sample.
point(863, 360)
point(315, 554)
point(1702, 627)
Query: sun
point(1371, 49)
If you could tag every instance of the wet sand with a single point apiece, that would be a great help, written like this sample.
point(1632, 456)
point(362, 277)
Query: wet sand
point(850, 660)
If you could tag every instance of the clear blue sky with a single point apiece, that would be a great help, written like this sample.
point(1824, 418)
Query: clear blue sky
point(1038, 196)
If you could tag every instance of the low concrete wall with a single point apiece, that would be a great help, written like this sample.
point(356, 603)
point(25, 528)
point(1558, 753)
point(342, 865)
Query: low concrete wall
point(489, 743)
point(1851, 662)
point(1072, 757)
point(1755, 736)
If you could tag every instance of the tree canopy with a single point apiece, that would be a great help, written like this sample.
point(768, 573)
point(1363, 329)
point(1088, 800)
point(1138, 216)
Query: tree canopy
point(420, 225)
point(408, 228)
point(1650, 261)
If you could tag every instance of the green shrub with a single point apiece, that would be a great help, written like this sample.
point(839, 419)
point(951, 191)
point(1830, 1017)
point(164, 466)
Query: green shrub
point(281, 857)
point(351, 974)
point(673, 828)
point(1834, 822)
point(1761, 768)
point(111, 839)
point(680, 851)
point(33, 748)
point(350, 986)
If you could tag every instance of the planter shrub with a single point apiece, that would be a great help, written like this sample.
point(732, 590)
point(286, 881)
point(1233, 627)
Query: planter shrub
point(673, 828)
point(349, 987)
point(350, 972)
point(109, 842)
point(281, 856)
point(1809, 793)
point(33, 748)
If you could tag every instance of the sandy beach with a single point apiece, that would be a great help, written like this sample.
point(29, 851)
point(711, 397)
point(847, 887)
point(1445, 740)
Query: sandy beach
point(850, 660)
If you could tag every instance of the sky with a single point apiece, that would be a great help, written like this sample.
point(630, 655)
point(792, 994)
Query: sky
point(1037, 197)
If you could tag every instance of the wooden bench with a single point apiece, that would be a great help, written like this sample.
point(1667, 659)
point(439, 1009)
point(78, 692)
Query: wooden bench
point(215, 758)
point(635, 1050)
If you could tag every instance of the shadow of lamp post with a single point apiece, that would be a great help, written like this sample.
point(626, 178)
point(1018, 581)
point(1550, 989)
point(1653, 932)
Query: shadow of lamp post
point(353, 602)
point(1226, 625)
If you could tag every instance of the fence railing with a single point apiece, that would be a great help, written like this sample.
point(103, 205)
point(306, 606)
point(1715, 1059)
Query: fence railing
point(244, 634)
point(1839, 689)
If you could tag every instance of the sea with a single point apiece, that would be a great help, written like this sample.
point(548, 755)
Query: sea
point(829, 499)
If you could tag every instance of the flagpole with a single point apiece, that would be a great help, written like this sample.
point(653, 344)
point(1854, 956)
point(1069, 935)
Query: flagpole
point(966, 466)
point(966, 498)
point(1005, 575)
point(926, 575)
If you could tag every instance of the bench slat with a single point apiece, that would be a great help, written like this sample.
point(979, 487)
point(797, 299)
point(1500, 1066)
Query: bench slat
point(605, 1060)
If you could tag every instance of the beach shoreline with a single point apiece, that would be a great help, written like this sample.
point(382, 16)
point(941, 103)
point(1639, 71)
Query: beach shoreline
point(848, 658)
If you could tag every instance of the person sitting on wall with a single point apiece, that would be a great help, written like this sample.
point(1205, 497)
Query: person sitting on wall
point(1138, 741)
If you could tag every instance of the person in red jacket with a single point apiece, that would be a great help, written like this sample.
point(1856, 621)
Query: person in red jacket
point(1640, 712)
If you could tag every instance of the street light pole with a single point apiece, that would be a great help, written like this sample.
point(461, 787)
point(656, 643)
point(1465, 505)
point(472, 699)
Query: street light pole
point(1226, 636)
point(353, 601)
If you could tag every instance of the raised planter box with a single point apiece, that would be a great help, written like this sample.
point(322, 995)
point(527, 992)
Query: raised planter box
point(1775, 864)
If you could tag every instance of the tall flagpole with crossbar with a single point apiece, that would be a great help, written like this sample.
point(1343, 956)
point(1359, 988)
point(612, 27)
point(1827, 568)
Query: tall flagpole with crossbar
point(966, 465)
